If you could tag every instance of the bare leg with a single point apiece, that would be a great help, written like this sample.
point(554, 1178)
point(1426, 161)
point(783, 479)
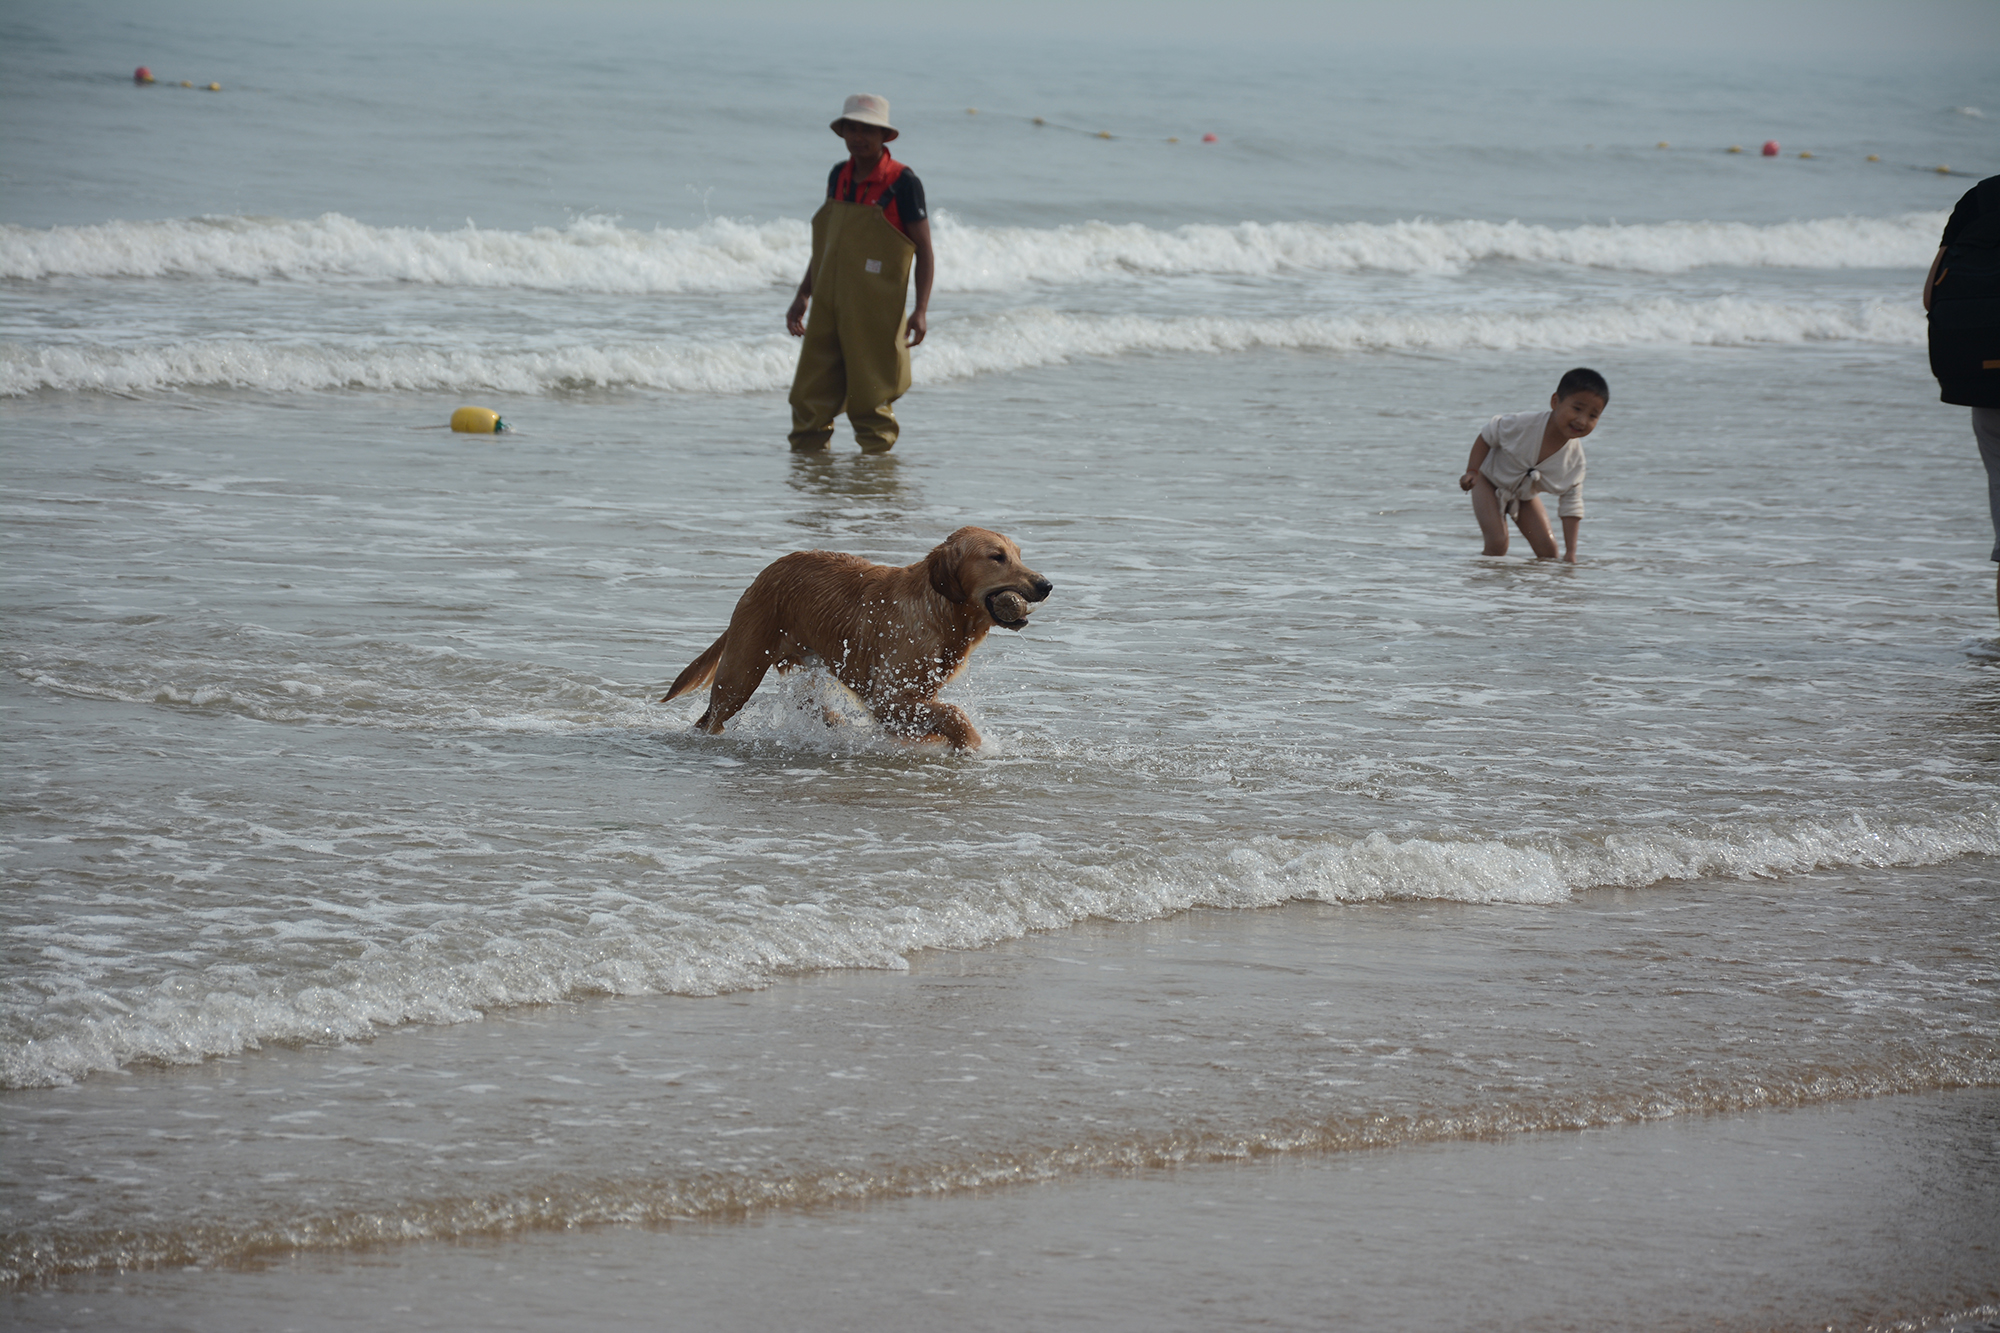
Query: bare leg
point(1492, 519)
point(1986, 430)
point(1534, 524)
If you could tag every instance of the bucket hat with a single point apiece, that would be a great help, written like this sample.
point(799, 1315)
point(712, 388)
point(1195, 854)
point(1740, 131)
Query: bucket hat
point(867, 109)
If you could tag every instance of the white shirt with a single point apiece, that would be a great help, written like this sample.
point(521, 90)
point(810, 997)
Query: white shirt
point(1512, 441)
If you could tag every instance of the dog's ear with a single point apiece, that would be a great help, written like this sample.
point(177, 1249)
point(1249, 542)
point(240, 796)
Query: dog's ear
point(942, 566)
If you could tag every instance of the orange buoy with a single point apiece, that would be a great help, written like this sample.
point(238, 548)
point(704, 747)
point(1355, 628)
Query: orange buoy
point(1208, 138)
point(1770, 148)
point(142, 75)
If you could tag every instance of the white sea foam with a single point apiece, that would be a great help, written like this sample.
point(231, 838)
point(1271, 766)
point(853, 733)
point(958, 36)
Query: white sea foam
point(594, 254)
point(649, 947)
point(1019, 339)
point(1001, 259)
point(961, 349)
point(678, 367)
point(590, 255)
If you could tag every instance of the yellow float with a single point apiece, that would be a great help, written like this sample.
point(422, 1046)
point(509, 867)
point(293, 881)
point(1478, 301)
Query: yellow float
point(477, 421)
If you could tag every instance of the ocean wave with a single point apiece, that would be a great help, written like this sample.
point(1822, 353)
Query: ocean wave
point(957, 349)
point(671, 947)
point(745, 366)
point(591, 254)
point(595, 254)
point(1003, 259)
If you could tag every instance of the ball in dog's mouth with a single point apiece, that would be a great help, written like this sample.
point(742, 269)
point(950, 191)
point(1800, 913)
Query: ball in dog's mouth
point(1008, 608)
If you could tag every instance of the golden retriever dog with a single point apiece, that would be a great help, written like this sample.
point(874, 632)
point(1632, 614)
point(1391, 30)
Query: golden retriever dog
point(892, 636)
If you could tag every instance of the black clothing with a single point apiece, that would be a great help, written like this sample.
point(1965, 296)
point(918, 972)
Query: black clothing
point(1965, 301)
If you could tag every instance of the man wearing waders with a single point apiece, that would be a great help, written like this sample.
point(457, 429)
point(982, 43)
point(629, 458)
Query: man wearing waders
point(856, 357)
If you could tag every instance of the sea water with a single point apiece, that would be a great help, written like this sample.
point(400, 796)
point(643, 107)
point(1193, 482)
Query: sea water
point(361, 895)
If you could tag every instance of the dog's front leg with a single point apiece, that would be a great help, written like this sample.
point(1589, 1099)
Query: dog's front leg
point(923, 719)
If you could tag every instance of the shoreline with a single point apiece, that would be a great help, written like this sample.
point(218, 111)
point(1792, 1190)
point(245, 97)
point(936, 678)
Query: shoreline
point(1308, 1038)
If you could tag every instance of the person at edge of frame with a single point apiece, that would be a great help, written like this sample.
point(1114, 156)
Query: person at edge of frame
point(1962, 298)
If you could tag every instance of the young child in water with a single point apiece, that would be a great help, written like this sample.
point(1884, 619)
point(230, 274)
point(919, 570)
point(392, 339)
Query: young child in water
point(1520, 453)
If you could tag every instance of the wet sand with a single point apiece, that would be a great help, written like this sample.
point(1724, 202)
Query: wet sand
point(1404, 1116)
point(1864, 1215)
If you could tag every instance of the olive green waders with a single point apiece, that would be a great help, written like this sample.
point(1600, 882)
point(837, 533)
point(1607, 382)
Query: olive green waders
point(856, 358)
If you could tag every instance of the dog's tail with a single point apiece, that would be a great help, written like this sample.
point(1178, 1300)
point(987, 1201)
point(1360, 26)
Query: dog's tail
point(699, 672)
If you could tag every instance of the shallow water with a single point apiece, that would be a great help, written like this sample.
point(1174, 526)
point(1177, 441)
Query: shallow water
point(1310, 1113)
point(360, 893)
point(1253, 686)
point(1256, 682)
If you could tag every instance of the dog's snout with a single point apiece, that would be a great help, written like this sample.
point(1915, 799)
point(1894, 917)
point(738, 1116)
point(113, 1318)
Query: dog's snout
point(1042, 589)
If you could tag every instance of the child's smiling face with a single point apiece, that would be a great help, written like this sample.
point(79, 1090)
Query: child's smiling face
point(1576, 416)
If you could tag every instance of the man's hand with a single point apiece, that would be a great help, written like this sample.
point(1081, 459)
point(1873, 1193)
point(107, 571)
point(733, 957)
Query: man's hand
point(795, 318)
point(1465, 482)
point(919, 326)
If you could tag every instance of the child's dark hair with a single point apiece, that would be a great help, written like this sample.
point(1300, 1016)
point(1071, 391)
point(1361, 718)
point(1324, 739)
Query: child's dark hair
point(1584, 380)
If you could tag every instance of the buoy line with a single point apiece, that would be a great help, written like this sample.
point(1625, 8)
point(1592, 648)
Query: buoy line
point(1041, 122)
point(1771, 148)
point(143, 76)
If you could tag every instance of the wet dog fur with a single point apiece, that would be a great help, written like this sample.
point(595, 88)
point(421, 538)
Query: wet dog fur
point(894, 636)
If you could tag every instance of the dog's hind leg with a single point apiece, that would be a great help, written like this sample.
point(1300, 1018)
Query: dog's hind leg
point(735, 680)
point(698, 673)
point(738, 672)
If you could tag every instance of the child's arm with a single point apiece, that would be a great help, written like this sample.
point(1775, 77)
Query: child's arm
point(1480, 448)
point(920, 236)
point(1570, 524)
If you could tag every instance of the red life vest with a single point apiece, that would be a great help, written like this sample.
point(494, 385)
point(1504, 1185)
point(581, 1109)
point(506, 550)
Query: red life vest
point(876, 188)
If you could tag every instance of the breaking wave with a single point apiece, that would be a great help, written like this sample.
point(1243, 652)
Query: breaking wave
point(595, 254)
point(658, 948)
point(957, 349)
